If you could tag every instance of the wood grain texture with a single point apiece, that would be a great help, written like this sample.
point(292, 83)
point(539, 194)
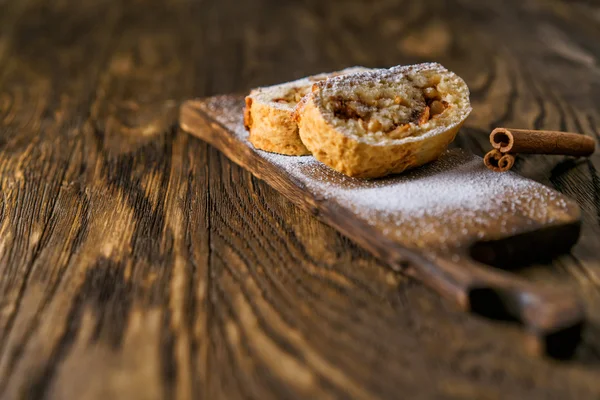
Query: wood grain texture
point(446, 246)
point(137, 262)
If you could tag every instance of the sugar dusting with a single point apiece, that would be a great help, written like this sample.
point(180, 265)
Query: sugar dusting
point(445, 204)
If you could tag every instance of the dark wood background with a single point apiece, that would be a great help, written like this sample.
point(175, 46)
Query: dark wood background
point(137, 262)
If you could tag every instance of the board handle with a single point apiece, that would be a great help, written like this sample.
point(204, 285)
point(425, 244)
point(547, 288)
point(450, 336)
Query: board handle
point(552, 317)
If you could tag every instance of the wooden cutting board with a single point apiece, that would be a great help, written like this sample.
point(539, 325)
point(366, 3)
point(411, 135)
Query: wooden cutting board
point(445, 223)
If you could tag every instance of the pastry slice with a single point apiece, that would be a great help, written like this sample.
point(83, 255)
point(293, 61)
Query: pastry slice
point(381, 122)
point(268, 114)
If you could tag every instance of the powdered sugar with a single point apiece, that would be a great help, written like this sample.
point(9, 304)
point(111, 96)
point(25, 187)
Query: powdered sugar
point(395, 74)
point(448, 203)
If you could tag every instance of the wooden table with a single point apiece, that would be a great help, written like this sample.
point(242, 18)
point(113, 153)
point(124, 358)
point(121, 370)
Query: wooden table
point(138, 262)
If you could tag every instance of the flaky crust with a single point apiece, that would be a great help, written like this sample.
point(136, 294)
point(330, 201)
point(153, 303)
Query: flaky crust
point(360, 159)
point(272, 129)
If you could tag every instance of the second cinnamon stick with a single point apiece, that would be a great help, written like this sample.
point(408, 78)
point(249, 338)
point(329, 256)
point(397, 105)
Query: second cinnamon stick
point(497, 161)
point(541, 142)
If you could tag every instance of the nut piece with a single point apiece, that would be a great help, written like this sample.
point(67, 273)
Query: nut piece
point(424, 117)
point(374, 125)
point(401, 101)
point(400, 132)
point(435, 80)
point(431, 93)
point(363, 124)
point(437, 107)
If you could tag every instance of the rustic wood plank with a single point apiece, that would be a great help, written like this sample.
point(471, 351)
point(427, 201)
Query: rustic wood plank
point(102, 296)
point(440, 247)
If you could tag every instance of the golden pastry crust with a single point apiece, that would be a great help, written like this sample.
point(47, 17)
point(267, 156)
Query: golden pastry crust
point(268, 115)
point(383, 122)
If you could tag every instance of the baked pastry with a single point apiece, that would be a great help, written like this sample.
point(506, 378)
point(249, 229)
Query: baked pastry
point(381, 122)
point(268, 114)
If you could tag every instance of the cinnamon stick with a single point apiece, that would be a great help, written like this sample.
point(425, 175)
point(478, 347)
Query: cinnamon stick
point(498, 161)
point(541, 142)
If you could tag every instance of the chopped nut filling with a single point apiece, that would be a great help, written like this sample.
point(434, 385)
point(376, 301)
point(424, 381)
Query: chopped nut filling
point(383, 110)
